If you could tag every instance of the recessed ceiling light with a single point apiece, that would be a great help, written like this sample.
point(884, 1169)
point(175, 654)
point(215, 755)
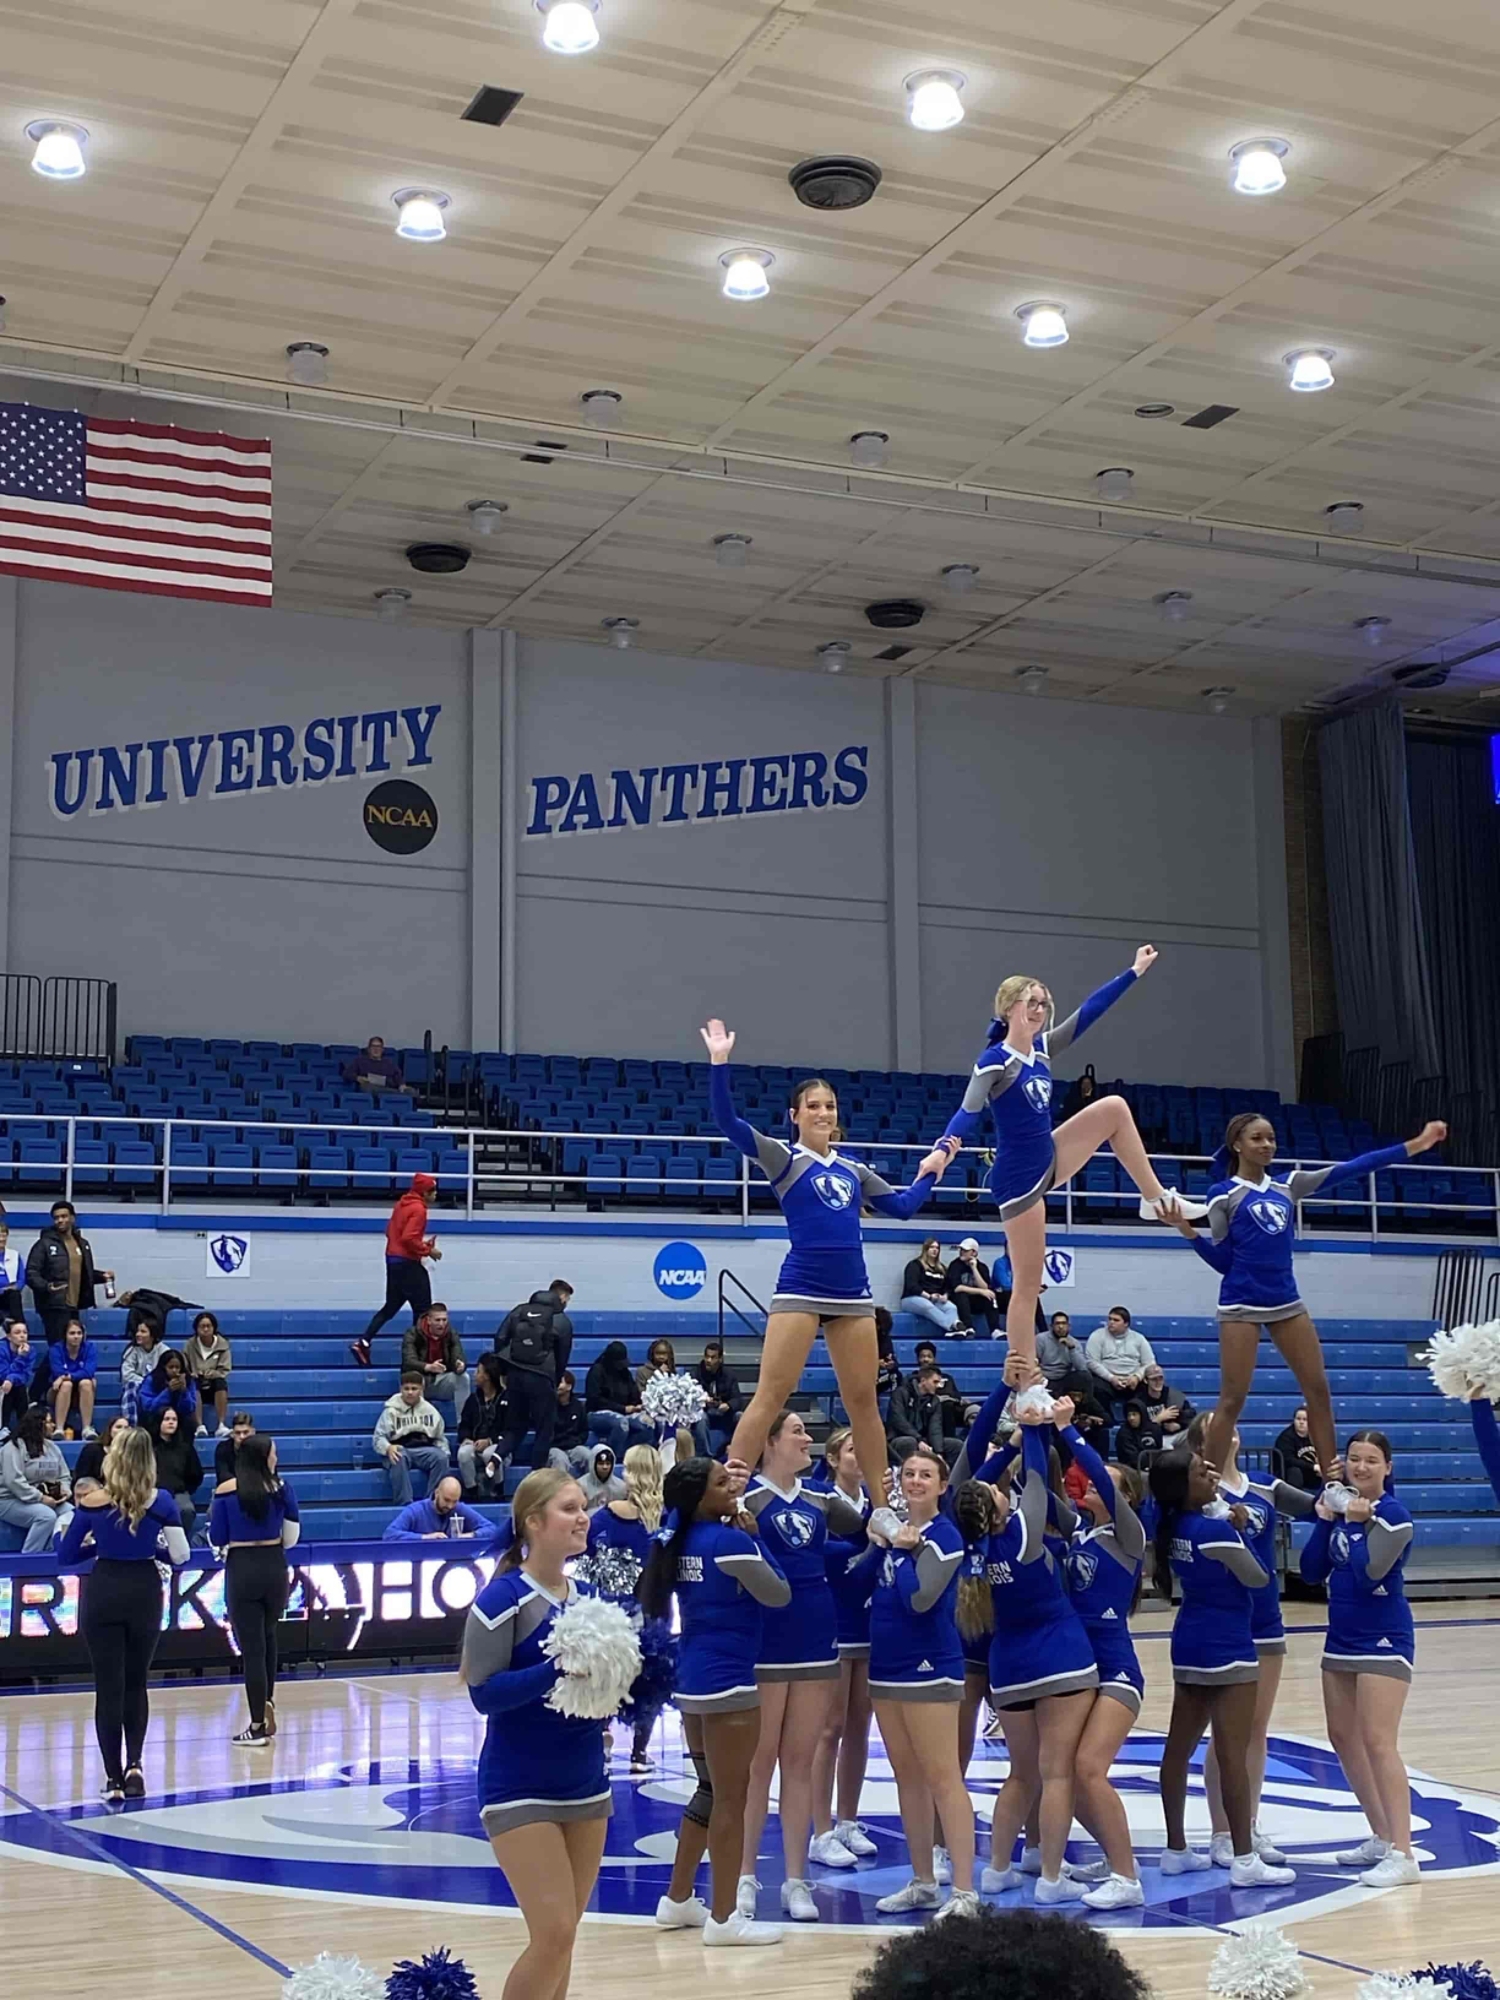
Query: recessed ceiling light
point(1257, 166)
point(732, 551)
point(1345, 515)
point(835, 655)
point(1031, 680)
point(1216, 699)
point(1174, 604)
point(601, 406)
point(60, 149)
point(745, 273)
point(869, 448)
point(419, 214)
point(1046, 323)
point(1373, 629)
point(1309, 369)
point(1114, 482)
point(621, 631)
point(307, 363)
point(486, 515)
point(934, 99)
point(390, 605)
point(1156, 409)
point(960, 577)
point(569, 27)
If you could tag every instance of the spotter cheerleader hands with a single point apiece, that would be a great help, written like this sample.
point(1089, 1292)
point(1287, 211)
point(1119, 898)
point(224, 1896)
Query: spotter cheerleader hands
point(1013, 1081)
point(823, 1281)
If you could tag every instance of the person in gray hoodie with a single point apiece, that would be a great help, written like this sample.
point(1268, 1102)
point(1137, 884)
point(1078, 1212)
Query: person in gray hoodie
point(599, 1483)
point(409, 1432)
point(35, 1489)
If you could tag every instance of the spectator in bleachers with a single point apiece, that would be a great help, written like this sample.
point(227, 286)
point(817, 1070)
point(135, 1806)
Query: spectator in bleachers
point(241, 1426)
point(916, 1413)
point(18, 1364)
point(35, 1491)
point(972, 1289)
point(1138, 1439)
point(661, 1359)
point(12, 1277)
point(614, 1403)
point(887, 1367)
point(1118, 1358)
point(145, 1307)
point(73, 1380)
point(372, 1069)
point(725, 1397)
point(1061, 1357)
point(88, 1468)
point(924, 1288)
point(210, 1363)
point(61, 1271)
point(409, 1432)
point(169, 1386)
point(432, 1346)
point(1167, 1408)
point(601, 1483)
point(481, 1425)
point(570, 1428)
point(136, 1365)
point(442, 1516)
point(533, 1347)
point(1294, 1457)
point(179, 1470)
point(408, 1249)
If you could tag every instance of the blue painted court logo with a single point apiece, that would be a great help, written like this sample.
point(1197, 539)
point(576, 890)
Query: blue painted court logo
point(679, 1271)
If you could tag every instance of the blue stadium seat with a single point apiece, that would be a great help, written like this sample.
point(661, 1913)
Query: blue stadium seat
point(231, 1164)
point(276, 1166)
point(643, 1177)
point(372, 1170)
point(604, 1176)
point(135, 1164)
point(90, 1164)
point(40, 1163)
point(328, 1170)
point(682, 1178)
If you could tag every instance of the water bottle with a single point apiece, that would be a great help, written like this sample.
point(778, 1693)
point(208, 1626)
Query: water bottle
point(109, 1288)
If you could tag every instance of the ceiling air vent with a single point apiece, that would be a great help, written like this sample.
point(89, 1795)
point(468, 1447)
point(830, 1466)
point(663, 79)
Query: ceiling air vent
point(1421, 674)
point(895, 614)
point(1206, 419)
point(543, 454)
point(836, 181)
point(894, 652)
point(491, 105)
point(438, 558)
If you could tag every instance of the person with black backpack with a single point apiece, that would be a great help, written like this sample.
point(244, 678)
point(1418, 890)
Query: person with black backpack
point(533, 1346)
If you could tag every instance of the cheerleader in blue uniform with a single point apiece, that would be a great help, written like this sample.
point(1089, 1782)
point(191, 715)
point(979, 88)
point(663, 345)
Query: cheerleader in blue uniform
point(543, 1793)
point(1252, 1223)
point(917, 1682)
point(844, 1748)
point(798, 1667)
point(621, 1536)
point(1487, 1437)
point(823, 1281)
point(710, 1557)
point(1013, 1081)
point(1367, 1657)
point(1215, 1668)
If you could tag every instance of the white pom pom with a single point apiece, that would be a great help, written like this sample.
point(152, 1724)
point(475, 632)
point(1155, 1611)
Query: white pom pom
point(330, 1977)
point(596, 1648)
point(1466, 1362)
point(1402, 1986)
point(674, 1402)
point(1258, 1965)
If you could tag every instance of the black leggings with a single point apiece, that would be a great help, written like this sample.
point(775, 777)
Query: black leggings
point(256, 1582)
point(121, 1622)
point(406, 1284)
point(530, 1405)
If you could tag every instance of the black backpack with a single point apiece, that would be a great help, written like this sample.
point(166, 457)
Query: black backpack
point(527, 1338)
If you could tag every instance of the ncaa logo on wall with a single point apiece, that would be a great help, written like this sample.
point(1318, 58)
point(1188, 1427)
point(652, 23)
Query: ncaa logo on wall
point(400, 817)
point(1059, 1267)
point(679, 1271)
point(228, 1256)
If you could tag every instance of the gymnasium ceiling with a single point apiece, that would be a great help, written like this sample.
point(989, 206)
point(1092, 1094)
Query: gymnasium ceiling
point(242, 163)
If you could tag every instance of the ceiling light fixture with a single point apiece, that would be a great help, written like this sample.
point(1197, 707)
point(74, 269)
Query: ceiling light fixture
point(732, 551)
point(307, 363)
point(1374, 630)
point(569, 27)
point(1345, 516)
point(1174, 604)
point(1114, 482)
point(486, 515)
point(1031, 680)
point(60, 149)
point(621, 631)
point(419, 214)
point(960, 577)
point(1046, 323)
point(745, 273)
point(601, 407)
point(1156, 410)
point(1310, 370)
point(934, 100)
point(1216, 699)
point(835, 655)
point(390, 605)
point(1257, 166)
point(869, 449)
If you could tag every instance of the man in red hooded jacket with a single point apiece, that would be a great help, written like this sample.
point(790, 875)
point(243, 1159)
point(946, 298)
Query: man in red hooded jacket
point(407, 1244)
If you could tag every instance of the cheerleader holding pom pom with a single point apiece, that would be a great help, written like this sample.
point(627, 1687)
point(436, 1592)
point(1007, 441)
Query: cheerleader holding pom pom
point(1466, 1364)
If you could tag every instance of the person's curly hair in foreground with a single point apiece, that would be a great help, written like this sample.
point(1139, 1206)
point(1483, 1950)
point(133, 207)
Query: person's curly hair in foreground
point(1017, 1954)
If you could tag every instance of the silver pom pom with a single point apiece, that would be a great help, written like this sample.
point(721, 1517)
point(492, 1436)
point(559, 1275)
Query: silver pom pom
point(674, 1402)
point(598, 1655)
point(1402, 1986)
point(611, 1570)
point(331, 1977)
point(1466, 1362)
point(1258, 1965)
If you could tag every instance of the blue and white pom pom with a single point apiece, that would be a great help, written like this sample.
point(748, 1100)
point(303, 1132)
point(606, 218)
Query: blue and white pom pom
point(1401, 1986)
point(598, 1654)
point(1466, 1362)
point(437, 1976)
point(1258, 1965)
point(612, 1570)
point(674, 1402)
point(331, 1977)
point(1464, 1982)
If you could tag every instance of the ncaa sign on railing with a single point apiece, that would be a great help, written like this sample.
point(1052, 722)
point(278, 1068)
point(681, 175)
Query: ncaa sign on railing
point(680, 1271)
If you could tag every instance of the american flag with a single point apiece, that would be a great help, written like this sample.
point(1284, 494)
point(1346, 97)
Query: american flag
point(132, 506)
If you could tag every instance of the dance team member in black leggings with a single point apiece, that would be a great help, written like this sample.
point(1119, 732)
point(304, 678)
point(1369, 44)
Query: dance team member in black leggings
point(255, 1521)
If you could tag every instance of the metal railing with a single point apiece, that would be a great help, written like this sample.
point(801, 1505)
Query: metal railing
point(57, 1019)
point(729, 1305)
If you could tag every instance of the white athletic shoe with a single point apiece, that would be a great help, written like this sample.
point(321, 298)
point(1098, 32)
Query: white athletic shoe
point(737, 1928)
point(1063, 1890)
point(1221, 1850)
point(1248, 1871)
point(89, 1434)
point(829, 1851)
point(942, 1867)
point(222, 1432)
point(962, 1903)
point(1335, 1496)
point(884, 1521)
point(1365, 1855)
point(853, 1836)
point(1266, 1848)
point(996, 1881)
point(202, 1431)
point(1089, 1871)
point(746, 1891)
point(915, 1896)
point(1030, 1862)
point(1182, 1861)
point(1116, 1892)
point(1170, 1205)
point(690, 1915)
point(1037, 1397)
point(797, 1901)
point(1394, 1872)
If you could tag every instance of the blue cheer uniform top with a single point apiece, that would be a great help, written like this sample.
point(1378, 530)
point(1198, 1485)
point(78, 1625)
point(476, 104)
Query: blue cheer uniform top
point(1370, 1629)
point(821, 1197)
point(800, 1640)
point(849, 1564)
point(1102, 1569)
point(915, 1653)
point(630, 1542)
point(1213, 1641)
point(228, 1522)
point(1252, 1229)
point(114, 1540)
point(1016, 1090)
point(1263, 1501)
point(536, 1765)
point(1487, 1437)
point(1039, 1645)
point(723, 1581)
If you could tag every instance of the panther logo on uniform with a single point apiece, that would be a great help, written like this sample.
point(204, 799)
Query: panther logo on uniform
point(1083, 1567)
point(1272, 1216)
point(833, 1190)
point(794, 1528)
point(1038, 1091)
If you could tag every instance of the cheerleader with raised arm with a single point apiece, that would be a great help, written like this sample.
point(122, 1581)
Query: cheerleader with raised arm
point(823, 1280)
point(844, 1748)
